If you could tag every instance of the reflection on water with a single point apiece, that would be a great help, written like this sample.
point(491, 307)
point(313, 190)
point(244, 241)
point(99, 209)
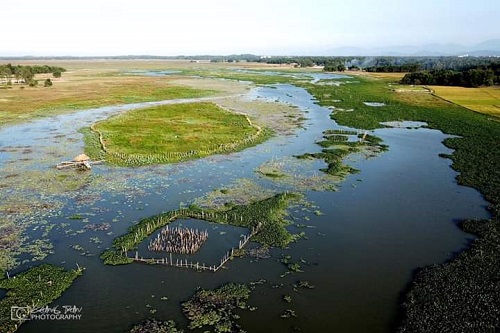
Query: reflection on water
point(397, 214)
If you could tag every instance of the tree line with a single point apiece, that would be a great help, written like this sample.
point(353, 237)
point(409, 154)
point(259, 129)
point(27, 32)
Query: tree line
point(389, 63)
point(26, 74)
point(472, 77)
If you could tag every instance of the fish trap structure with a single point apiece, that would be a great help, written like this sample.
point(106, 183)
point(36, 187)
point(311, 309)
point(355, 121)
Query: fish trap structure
point(178, 240)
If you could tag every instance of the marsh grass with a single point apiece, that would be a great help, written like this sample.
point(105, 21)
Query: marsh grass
point(171, 133)
point(255, 77)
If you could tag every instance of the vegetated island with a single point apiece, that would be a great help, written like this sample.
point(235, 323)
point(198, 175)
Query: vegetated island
point(463, 294)
point(171, 133)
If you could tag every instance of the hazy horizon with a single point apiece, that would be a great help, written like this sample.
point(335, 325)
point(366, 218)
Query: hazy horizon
point(195, 27)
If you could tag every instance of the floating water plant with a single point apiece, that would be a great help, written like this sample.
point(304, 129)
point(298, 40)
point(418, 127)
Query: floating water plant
point(156, 326)
point(469, 301)
point(215, 308)
point(31, 289)
point(288, 314)
point(337, 148)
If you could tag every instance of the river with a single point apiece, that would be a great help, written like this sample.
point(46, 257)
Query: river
point(399, 213)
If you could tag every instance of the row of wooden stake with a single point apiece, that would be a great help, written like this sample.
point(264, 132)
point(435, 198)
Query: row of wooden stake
point(184, 262)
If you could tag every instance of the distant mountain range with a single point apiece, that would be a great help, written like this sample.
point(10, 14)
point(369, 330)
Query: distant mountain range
point(489, 48)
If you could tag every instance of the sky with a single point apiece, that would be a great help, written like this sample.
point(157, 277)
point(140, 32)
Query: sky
point(265, 27)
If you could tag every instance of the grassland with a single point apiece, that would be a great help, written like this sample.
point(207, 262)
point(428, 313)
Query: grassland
point(87, 87)
point(484, 100)
point(176, 132)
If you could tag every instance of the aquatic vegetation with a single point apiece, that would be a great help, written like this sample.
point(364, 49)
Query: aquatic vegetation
point(266, 217)
point(303, 284)
point(215, 308)
point(476, 141)
point(462, 295)
point(288, 314)
point(112, 257)
point(254, 76)
point(478, 133)
point(172, 133)
point(287, 298)
point(242, 191)
point(156, 326)
point(297, 174)
point(336, 148)
point(33, 288)
point(281, 118)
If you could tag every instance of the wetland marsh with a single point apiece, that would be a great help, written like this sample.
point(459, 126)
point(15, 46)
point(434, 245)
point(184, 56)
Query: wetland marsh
point(351, 240)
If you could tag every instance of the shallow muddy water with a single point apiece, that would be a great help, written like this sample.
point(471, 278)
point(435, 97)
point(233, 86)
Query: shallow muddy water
point(363, 241)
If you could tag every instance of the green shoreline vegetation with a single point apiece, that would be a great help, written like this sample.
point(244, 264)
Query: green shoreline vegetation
point(216, 307)
point(336, 148)
point(440, 295)
point(267, 215)
point(34, 288)
point(172, 133)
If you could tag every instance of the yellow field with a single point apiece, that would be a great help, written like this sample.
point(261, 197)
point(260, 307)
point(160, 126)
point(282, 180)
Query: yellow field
point(484, 100)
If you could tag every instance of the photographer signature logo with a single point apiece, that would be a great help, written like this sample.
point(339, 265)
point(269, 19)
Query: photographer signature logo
point(65, 312)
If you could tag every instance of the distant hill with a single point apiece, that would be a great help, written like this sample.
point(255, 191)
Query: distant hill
point(483, 49)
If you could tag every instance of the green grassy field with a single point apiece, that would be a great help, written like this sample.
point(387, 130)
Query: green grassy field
point(174, 132)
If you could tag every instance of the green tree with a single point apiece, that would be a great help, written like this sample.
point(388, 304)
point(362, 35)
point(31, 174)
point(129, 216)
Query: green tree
point(56, 74)
point(47, 83)
point(27, 74)
point(5, 73)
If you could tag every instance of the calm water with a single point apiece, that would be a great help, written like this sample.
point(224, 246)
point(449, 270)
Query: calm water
point(397, 214)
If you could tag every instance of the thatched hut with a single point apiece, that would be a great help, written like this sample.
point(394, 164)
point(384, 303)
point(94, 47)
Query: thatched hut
point(81, 158)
